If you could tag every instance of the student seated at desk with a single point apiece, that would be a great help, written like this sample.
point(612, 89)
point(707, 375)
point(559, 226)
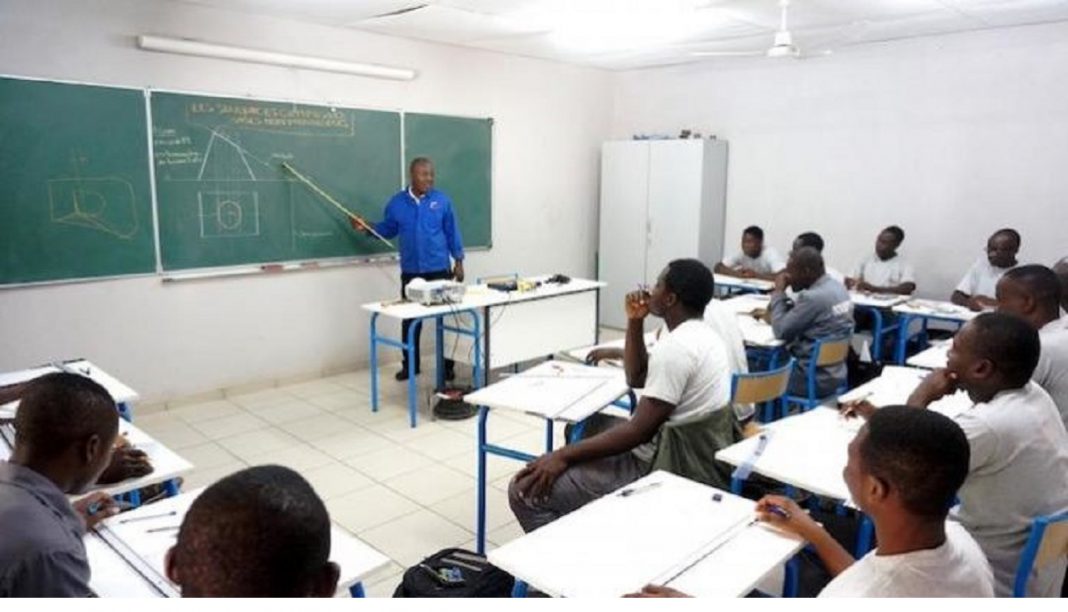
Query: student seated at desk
point(820, 309)
point(976, 290)
point(1033, 294)
point(1061, 268)
point(65, 429)
point(884, 271)
point(754, 260)
point(814, 240)
point(684, 379)
point(260, 532)
point(903, 470)
point(1019, 448)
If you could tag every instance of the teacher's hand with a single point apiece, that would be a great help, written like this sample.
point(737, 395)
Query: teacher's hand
point(458, 271)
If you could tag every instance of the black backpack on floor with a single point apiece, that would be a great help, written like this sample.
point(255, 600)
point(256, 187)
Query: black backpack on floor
point(455, 572)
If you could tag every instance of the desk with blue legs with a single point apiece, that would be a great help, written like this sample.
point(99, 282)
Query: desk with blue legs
point(554, 391)
point(884, 322)
point(925, 311)
point(661, 529)
point(136, 542)
point(737, 284)
point(123, 395)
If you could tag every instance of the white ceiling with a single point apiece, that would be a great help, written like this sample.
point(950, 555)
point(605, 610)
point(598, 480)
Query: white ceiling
point(625, 34)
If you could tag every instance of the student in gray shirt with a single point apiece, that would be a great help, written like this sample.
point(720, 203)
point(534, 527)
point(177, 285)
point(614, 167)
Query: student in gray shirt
point(820, 309)
point(65, 429)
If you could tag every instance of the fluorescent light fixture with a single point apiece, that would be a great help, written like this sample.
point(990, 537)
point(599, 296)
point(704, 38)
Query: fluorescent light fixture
point(258, 56)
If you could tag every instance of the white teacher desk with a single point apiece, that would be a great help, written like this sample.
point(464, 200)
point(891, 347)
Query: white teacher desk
point(127, 551)
point(502, 328)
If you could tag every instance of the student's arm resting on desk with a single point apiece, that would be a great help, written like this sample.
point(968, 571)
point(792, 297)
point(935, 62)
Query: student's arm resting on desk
point(537, 478)
point(835, 558)
point(906, 288)
point(788, 323)
point(972, 302)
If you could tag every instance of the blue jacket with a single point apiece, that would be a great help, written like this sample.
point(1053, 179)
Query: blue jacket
point(428, 230)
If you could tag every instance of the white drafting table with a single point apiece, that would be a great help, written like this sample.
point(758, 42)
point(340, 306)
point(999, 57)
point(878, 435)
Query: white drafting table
point(876, 300)
point(934, 357)
point(737, 283)
point(143, 551)
point(167, 464)
point(670, 530)
point(123, 395)
point(926, 310)
point(756, 333)
point(554, 391)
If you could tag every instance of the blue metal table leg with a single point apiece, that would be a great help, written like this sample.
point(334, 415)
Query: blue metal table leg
point(577, 431)
point(356, 590)
point(374, 362)
point(736, 486)
point(480, 526)
point(135, 498)
point(519, 589)
point(125, 411)
point(902, 338)
point(413, 390)
point(171, 487)
point(877, 336)
point(792, 578)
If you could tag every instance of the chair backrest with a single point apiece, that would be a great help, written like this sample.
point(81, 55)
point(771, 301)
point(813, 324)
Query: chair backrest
point(831, 351)
point(757, 387)
point(1047, 543)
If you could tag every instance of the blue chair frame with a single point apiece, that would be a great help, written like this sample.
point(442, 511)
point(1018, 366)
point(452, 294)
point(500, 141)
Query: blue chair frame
point(809, 400)
point(769, 405)
point(1039, 527)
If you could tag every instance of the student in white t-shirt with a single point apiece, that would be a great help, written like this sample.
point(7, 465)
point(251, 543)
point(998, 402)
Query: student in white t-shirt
point(754, 260)
point(814, 240)
point(1031, 293)
point(686, 375)
point(976, 289)
point(1061, 269)
point(903, 470)
point(1019, 448)
point(884, 271)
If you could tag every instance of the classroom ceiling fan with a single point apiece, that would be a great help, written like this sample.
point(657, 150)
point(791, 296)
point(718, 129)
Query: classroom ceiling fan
point(782, 46)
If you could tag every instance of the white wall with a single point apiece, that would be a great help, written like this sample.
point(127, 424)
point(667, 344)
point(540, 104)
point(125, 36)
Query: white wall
point(173, 340)
point(949, 137)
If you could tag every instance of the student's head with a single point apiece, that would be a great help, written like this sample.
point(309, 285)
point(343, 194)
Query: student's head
point(809, 239)
point(65, 429)
point(804, 268)
point(421, 174)
point(889, 241)
point(1061, 269)
point(260, 532)
point(1001, 248)
point(907, 461)
point(753, 241)
point(993, 352)
point(683, 290)
point(1031, 292)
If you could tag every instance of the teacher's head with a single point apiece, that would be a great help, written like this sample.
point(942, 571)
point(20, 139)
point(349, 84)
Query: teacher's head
point(421, 172)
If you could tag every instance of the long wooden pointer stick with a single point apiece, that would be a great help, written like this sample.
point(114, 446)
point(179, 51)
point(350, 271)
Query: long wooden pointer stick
point(326, 196)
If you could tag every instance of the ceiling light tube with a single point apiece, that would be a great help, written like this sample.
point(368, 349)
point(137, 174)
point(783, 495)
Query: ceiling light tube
point(257, 56)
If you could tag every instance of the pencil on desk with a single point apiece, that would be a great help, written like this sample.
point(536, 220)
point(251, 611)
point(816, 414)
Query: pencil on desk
point(148, 517)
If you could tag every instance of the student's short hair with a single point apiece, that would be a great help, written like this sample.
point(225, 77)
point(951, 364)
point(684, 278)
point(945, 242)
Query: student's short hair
point(1010, 343)
point(922, 455)
point(808, 258)
point(897, 233)
point(419, 161)
point(1041, 282)
point(692, 282)
point(260, 532)
point(754, 231)
point(811, 239)
point(1010, 233)
point(61, 409)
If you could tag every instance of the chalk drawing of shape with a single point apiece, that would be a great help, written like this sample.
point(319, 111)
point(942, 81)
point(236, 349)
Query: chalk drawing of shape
point(105, 204)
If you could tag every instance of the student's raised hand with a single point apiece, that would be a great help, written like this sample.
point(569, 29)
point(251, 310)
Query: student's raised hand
point(535, 481)
point(784, 513)
point(782, 280)
point(636, 305)
point(861, 408)
point(95, 507)
point(126, 462)
point(653, 590)
point(934, 387)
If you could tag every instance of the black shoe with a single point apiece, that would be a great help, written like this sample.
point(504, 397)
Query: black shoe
point(450, 374)
point(403, 374)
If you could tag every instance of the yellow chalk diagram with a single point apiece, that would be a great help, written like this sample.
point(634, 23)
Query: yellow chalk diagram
point(105, 204)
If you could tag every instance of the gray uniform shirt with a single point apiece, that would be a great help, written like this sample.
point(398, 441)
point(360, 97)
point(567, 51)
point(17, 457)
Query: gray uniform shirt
point(41, 548)
point(821, 311)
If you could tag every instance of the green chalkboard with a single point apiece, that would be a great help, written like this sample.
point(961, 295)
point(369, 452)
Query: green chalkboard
point(461, 150)
point(224, 198)
point(74, 182)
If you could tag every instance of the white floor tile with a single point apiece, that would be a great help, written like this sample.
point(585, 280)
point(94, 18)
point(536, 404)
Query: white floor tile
point(202, 478)
point(383, 582)
point(319, 426)
point(177, 436)
point(503, 535)
point(411, 538)
point(284, 412)
point(227, 426)
point(389, 462)
point(298, 458)
point(353, 443)
point(263, 397)
point(496, 428)
point(430, 485)
point(401, 430)
point(443, 444)
point(312, 388)
point(496, 467)
point(208, 455)
point(335, 479)
point(253, 443)
point(158, 421)
point(341, 401)
point(387, 411)
point(193, 413)
point(462, 509)
point(369, 507)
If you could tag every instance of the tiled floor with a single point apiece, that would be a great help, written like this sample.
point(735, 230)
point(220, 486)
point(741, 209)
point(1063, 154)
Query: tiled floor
point(407, 492)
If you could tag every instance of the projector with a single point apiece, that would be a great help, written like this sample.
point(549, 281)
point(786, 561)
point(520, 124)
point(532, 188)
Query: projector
point(429, 293)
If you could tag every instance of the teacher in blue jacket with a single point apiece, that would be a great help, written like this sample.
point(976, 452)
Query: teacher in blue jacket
point(424, 219)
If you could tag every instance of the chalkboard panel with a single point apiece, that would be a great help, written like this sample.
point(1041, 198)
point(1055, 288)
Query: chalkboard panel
point(74, 182)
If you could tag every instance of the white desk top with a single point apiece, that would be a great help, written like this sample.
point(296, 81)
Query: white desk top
point(933, 357)
point(166, 462)
point(935, 308)
point(579, 354)
point(481, 296)
point(754, 284)
point(128, 535)
point(673, 533)
point(894, 386)
point(755, 332)
point(557, 390)
point(877, 300)
point(119, 392)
